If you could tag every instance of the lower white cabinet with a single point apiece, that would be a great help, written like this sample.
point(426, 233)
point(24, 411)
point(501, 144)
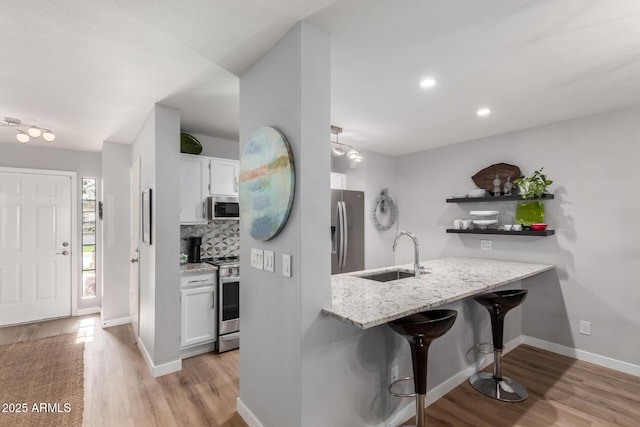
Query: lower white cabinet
point(198, 315)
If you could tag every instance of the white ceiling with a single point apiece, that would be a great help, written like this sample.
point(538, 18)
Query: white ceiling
point(92, 70)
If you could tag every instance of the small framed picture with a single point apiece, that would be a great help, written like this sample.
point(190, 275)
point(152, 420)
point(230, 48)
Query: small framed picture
point(146, 216)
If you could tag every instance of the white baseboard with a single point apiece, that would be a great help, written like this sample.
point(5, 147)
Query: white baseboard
point(607, 362)
point(85, 311)
point(409, 410)
point(115, 322)
point(197, 350)
point(159, 370)
point(246, 414)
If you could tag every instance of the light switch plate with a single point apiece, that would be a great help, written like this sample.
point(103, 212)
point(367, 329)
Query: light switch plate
point(286, 265)
point(268, 261)
point(256, 258)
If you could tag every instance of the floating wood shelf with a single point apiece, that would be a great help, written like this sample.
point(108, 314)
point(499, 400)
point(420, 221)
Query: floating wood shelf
point(513, 197)
point(505, 232)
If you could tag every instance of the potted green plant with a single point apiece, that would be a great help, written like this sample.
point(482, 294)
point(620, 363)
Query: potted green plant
point(532, 188)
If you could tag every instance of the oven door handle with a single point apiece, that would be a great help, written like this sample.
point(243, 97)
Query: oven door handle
point(229, 279)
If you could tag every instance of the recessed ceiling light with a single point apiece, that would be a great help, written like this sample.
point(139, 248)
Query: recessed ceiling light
point(483, 112)
point(428, 82)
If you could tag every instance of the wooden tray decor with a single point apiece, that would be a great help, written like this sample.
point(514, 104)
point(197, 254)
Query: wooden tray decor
point(484, 178)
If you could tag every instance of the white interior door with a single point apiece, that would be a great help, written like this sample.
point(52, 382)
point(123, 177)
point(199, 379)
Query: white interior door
point(35, 247)
point(134, 244)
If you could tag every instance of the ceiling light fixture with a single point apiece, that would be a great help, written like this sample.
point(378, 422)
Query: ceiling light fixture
point(483, 112)
point(339, 149)
point(33, 131)
point(428, 82)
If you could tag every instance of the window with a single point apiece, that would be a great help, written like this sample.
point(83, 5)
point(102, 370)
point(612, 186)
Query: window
point(88, 237)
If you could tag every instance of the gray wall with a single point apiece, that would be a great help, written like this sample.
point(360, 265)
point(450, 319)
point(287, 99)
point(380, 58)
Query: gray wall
point(218, 147)
point(593, 162)
point(288, 88)
point(380, 173)
point(84, 163)
point(157, 146)
point(374, 174)
point(116, 161)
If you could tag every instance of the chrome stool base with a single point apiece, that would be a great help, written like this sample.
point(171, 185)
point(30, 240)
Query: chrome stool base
point(504, 389)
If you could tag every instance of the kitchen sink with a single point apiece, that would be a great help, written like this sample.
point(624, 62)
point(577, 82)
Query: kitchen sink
point(388, 276)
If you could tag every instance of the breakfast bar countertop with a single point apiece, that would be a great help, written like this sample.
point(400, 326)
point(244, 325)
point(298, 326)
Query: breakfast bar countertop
point(367, 303)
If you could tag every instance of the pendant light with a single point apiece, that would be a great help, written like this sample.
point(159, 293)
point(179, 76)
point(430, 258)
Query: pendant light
point(339, 149)
point(32, 131)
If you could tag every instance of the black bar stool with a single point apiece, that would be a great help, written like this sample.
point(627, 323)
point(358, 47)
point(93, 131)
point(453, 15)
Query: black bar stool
point(420, 329)
point(494, 384)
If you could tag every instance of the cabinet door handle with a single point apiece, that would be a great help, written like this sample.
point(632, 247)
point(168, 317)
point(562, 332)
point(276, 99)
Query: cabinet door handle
point(198, 281)
point(213, 300)
point(236, 184)
point(204, 210)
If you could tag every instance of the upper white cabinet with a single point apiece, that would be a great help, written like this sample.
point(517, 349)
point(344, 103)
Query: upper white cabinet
point(194, 188)
point(224, 177)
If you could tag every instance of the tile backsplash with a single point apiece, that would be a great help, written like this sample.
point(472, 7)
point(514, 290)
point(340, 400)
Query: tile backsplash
point(219, 238)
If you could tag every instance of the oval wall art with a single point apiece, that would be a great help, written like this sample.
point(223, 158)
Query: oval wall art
point(267, 183)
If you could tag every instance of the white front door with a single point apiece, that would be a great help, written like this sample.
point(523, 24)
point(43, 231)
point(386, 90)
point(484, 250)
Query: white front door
point(35, 247)
point(134, 245)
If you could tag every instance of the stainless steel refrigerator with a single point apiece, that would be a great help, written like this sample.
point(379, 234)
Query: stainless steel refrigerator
point(347, 231)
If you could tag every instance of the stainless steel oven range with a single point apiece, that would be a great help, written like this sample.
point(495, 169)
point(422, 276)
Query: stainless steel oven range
point(228, 302)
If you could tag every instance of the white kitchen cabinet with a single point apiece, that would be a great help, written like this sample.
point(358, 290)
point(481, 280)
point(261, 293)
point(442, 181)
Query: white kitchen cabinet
point(224, 177)
point(198, 315)
point(194, 189)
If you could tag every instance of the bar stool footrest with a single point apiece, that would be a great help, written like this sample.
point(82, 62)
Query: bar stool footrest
point(399, 380)
point(479, 348)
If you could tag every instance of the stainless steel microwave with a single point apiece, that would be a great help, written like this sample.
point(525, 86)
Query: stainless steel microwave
point(223, 207)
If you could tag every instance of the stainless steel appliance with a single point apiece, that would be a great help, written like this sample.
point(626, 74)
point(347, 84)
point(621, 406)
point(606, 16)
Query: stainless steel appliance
point(228, 302)
point(347, 231)
point(223, 207)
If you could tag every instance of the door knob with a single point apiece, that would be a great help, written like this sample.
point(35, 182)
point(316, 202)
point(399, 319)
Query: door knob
point(134, 260)
point(63, 253)
point(65, 244)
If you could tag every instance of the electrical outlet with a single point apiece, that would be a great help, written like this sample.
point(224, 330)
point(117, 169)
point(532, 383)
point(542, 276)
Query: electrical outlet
point(585, 327)
point(268, 261)
point(393, 373)
point(485, 245)
point(286, 265)
point(256, 258)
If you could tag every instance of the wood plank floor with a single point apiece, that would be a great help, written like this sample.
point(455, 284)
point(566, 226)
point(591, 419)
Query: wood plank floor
point(119, 389)
point(562, 392)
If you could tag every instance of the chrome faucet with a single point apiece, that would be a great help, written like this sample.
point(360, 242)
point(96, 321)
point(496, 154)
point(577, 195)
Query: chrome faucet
point(416, 261)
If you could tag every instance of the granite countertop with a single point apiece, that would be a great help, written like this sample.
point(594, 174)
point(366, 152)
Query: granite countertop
point(366, 303)
point(197, 267)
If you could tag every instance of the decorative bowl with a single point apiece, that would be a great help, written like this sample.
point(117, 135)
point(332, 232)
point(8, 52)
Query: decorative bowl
point(538, 227)
point(480, 192)
point(484, 213)
point(485, 222)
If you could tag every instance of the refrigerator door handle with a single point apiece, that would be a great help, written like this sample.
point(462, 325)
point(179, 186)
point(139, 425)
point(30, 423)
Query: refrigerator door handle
point(340, 234)
point(345, 244)
point(335, 232)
